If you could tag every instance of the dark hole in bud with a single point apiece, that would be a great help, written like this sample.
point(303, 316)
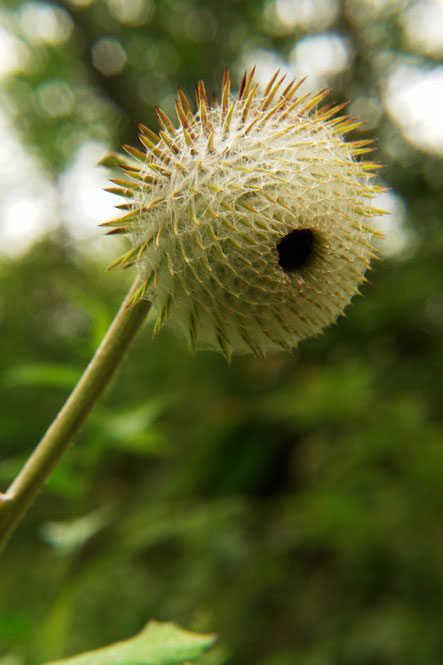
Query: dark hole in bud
point(295, 249)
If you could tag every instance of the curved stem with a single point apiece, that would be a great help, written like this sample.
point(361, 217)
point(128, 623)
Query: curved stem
point(22, 492)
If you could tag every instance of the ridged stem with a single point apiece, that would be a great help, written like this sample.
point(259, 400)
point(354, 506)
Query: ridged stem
point(15, 503)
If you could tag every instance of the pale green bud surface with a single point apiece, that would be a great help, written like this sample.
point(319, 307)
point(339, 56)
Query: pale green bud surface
point(250, 222)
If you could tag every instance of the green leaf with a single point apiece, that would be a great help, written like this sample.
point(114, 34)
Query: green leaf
point(156, 644)
point(134, 429)
point(41, 375)
point(69, 536)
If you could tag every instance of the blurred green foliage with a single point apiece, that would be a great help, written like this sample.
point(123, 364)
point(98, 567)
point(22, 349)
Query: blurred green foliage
point(157, 644)
point(293, 505)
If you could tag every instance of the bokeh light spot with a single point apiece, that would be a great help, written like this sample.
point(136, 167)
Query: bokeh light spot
point(56, 98)
point(44, 22)
point(108, 56)
point(414, 100)
point(319, 57)
point(283, 16)
point(423, 26)
point(131, 12)
point(13, 53)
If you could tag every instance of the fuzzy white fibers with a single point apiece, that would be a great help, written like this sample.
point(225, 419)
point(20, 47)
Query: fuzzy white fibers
point(249, 223)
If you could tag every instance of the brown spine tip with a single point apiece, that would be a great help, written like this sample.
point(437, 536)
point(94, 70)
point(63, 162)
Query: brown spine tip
point(148, 133)
point(271, 83)
point(271, 94)
point(136, 154)
point(126, 184)
point(181, 115)
point(245, 84)
point(206, 126)
point(120, 229)
point(200, 94)
point(165, 122)
point(288, 90)
point(226, 91)
point(242, 86)
point(248, 103)
point(185, 103)
point(294, 86)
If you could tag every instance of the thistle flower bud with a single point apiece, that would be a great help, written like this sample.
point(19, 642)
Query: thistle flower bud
point(249, 221)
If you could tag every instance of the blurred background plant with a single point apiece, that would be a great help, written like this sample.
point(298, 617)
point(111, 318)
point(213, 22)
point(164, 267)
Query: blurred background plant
point(291, 505)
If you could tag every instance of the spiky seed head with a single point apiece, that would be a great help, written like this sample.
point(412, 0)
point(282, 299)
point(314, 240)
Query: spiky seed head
point(249, 220)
